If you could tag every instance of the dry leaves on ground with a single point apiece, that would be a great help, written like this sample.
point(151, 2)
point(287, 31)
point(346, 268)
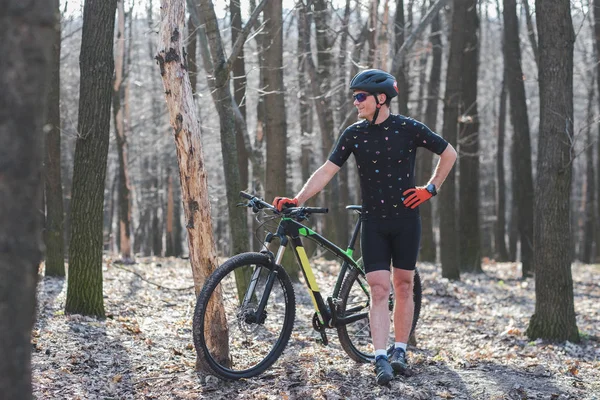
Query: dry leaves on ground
point(471, 343)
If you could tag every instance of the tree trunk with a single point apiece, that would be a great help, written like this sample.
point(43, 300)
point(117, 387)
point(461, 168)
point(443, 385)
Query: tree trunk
point(275, 121)
point(192, 174)
point(428, 246)
point(590, 182)
point(28, 35)
point(448, 223)
point(597, 61)
point(119, 102)
point(238, 74)
point(400, 73)
point(521, 138)
point(500, 241)
point(84, 293)
point(342, 107)
point(554, 316)
point(469, 230)
point(372, 33)
point(54, 231)
point(531, 32)
point(307, 153)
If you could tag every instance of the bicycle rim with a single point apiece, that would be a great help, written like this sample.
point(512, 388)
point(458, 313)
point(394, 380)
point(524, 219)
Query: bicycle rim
point(254, 341)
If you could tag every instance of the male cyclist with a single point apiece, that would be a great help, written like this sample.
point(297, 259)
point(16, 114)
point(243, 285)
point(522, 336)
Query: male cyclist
point(384, 146)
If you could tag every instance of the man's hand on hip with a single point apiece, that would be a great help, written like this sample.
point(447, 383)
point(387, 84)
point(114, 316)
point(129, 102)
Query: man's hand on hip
point(414, 197)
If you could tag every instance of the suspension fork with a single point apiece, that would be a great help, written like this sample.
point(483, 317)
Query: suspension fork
point(259, 314)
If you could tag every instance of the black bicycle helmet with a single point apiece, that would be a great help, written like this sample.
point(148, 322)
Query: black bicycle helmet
point(375, 81)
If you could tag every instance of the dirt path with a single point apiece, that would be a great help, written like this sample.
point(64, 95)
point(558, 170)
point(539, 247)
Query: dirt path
point(470, 344)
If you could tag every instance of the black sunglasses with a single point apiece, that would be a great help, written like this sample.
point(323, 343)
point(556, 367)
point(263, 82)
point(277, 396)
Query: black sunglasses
point(360, 97)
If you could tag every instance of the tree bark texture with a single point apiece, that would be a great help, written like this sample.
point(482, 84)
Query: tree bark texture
point(28, 34)
point(590, 184)
point(193, 176)
point(120, 121)
point(238, 74)
point(531, 31)
point(192, 41)
point(308, 159)
point(523, 189)
point(54, 227)
point(84, 292)
point(500, 231)
point(596, 7)
point(170, 247)
point(400, 73)
point(469, 229)
point(275, 123)
point(452, 98)
point(554, 316)
point(428, 246)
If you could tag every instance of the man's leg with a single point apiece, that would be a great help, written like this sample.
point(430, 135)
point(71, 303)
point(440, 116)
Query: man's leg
point(403, 315)
point(379, 314)
point(404, 304)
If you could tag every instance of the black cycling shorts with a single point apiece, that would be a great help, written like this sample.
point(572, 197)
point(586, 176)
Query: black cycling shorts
point(396, 240)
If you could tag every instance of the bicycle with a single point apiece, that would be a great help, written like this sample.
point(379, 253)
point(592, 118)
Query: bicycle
point(259, 299)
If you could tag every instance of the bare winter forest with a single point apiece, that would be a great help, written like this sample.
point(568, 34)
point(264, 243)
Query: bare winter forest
point(129, 127)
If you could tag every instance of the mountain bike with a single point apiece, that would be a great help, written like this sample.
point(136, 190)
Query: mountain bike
point(260, 304)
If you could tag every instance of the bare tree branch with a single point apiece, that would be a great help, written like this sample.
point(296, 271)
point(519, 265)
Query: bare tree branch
point(412, 38)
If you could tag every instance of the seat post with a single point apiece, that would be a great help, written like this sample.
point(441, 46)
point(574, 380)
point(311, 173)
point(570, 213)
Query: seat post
point(358, 210)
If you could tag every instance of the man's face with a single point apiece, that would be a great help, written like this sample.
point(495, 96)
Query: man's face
point(365, 104)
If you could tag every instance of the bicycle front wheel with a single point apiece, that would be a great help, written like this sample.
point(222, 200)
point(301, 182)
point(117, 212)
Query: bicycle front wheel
point(255, 340)
point(355, 337)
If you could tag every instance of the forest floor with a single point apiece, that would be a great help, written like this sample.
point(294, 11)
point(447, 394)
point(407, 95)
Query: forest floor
point(471, 343)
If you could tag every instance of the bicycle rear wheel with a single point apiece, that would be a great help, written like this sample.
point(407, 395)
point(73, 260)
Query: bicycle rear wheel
point(255, 341)
point(355, 337)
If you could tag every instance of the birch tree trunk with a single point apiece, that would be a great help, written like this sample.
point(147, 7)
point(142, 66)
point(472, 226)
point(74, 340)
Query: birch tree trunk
point(192, 174)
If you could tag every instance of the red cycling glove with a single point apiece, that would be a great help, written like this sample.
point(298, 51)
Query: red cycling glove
point(416, 196)
point(281, 202)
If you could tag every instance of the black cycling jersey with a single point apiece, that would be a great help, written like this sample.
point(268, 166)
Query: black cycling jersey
point(385, 156)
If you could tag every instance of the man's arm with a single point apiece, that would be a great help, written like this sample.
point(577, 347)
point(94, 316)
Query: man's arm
point(318, 181)
point(444, 165)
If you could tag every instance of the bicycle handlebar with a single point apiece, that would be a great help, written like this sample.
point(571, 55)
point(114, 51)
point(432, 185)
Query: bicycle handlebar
point(258, 203)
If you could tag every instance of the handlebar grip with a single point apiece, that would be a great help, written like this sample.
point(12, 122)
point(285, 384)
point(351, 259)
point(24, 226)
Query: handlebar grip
point(317, 210)
point(246, 195)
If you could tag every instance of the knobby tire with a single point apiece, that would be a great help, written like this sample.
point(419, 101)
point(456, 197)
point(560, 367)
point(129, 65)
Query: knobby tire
point(246, 337)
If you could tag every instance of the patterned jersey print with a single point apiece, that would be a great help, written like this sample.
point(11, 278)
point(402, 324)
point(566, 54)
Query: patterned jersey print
point(385, 155)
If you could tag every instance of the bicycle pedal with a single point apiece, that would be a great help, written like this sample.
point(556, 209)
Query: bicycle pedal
point(323, 341)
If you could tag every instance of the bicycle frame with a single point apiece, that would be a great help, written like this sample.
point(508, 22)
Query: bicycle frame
point(292, 231)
